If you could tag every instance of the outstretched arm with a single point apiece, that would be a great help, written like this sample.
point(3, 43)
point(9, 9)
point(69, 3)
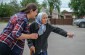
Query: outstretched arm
point(61, 31)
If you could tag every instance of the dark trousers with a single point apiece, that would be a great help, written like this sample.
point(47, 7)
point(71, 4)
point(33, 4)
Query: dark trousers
point(41, 53)
point(4, 49)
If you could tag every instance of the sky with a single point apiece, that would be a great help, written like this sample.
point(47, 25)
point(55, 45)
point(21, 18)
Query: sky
point(64, 4)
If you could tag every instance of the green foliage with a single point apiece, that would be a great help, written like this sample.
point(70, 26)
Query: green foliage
point(44, 4)
point(78, 7)
point(25, 2)
point(54, 4)
point(6, 10)
point(16, 7)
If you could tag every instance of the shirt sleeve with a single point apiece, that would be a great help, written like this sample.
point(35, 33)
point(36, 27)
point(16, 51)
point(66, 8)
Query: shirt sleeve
point(58, 30)
point(30, 43)
point(18, 28)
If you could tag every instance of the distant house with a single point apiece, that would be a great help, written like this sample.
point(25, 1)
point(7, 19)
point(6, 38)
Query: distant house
point(67, 15)
point(55, 14)
point(64, 14)
point(64, 17)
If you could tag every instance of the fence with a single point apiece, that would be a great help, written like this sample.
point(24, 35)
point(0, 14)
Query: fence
point(62, 21)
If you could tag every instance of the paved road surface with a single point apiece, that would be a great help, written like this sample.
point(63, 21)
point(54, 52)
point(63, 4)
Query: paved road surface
point(58, 45)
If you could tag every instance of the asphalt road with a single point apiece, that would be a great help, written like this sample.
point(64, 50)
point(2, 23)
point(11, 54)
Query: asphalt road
point(59, 45)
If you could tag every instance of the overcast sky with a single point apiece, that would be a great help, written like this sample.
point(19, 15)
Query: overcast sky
point(64, 5)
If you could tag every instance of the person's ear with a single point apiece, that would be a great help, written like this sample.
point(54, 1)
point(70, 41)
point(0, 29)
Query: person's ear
point(31, 10)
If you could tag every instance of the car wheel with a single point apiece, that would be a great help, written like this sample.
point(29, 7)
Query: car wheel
point(82, 25)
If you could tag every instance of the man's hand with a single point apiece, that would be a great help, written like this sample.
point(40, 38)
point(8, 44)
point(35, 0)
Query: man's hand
point(70, 35)
point(32, 50)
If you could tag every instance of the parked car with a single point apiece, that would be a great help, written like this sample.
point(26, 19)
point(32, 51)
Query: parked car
point(80, 22)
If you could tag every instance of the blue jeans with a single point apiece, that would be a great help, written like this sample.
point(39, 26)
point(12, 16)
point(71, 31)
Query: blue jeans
point(41, 53)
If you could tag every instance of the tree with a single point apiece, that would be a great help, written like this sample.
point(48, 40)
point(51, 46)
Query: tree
point(54, 4)
point(44, 7)
point(25, 2)
point(78, 6)
point(44, 4)
point(8, 9)
point(5, 10)
point(15, 6)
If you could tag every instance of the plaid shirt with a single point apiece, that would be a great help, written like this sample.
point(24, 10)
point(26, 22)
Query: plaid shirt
point(17, 25)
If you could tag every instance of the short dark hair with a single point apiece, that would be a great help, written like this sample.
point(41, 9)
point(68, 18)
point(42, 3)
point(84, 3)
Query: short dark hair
point(30, 6)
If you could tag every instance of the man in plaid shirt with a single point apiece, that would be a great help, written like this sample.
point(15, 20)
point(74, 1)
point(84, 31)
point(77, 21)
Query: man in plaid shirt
point(13, 37)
